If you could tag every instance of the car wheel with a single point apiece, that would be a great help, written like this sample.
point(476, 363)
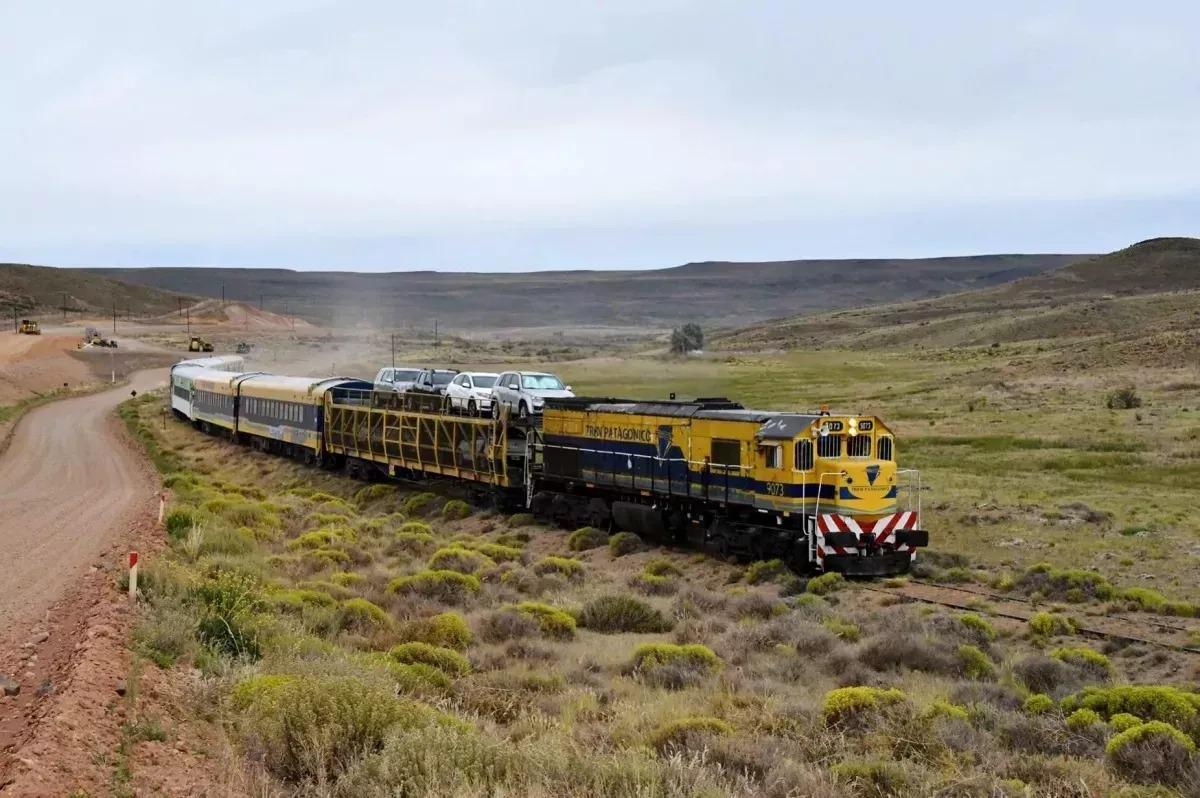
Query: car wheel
point(472, 410)
point(496, 409)
point(523, 412)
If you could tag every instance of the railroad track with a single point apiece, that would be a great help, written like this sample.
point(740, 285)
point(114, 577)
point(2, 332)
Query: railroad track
point(1141, 628)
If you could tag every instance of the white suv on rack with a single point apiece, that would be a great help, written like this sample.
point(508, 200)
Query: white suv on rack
point(526, 392)
point(472, 391)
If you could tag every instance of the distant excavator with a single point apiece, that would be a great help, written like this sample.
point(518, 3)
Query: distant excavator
point(29, 327)
point(92, 337)
point(198, 344)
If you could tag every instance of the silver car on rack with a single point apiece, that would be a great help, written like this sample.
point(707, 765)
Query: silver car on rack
point(396, 378)
point(525, 393)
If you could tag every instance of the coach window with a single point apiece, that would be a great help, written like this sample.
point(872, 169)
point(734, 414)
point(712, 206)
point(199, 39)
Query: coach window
point(885, 448)
point(726, 453)
point(804, 455)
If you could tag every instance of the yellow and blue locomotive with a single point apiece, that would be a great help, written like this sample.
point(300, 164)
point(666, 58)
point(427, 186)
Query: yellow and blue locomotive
point(814, 489)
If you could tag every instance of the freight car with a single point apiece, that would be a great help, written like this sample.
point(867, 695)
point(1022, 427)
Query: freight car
point(821, 491)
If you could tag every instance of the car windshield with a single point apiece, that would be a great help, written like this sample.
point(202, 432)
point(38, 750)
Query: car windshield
point(443, 377)
point(405, 375)
point(541, 382)
point(484, 381)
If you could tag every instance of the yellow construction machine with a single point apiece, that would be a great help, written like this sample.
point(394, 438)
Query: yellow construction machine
point(29, 327)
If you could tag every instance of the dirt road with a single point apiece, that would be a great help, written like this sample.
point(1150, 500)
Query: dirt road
point(71, 489)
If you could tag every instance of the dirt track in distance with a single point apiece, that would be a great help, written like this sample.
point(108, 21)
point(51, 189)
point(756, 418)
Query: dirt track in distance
point(71, 487)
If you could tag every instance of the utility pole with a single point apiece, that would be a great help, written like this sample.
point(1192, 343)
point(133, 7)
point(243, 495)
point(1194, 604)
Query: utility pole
point(393, 350)
point(260, 301)
point(114, 319)
point(189, 322)
point(64, 296)
point(180, 307)
point(435, 337)
point(222, 295)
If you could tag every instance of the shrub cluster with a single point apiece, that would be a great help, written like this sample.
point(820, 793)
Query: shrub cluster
point(564, 566)
point(446, 660)
point(611, 614)
point(551, 621)
point(360, 615)
point(851, 703)
point(826, 583)
point(586, 538)
point(624, 543)
point(682, 733)
point(1051, 624)
point(455, 509)
point(447, 630)
point(450, 587)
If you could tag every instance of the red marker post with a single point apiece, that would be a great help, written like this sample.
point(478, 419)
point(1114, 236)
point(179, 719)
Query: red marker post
point(133, 571)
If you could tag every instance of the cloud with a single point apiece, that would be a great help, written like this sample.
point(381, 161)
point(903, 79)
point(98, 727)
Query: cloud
point(483, 135)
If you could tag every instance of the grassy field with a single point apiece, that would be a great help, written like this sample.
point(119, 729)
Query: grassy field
point(362, 640)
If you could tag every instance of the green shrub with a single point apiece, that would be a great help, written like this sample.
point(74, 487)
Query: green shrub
point(521, 519)
point(692, 655)
point(1039, 704)
point(975, 664)
point(230, 608)
point(1050, 624)
point(944, 709)
point(324, 558)
point(415, 528)
point(570, 568)
point(619, 613)
point(1147, 600)
point(872, 777)
point(447, 630)
point(326, 536)
point(1123, 399)
point(978, 625)
point(224, 540)
point(765, 571)
point(850, 703)
point(346, 578)
point(842, 628)
point(1152, 702)
point(497, 551)
point(1123, 720)
point(1085, 658)
point(455, 509)
point(826, 583)
point(1067, 584)
point(552, 621)
point(462, 560)
point(372, 493)
point(624, 543)
point(445, 660)
point(309, 729)
point(412, 542)
point(180, 522)
point(1142, 731)
point(654, 585)
point(678, 733)
point(1154, 753)
point(662, 567)
point(296, 599)
point(364, 616)
point(418, 503)
point(447, 586)
point(586, 538)
point(1082, 719)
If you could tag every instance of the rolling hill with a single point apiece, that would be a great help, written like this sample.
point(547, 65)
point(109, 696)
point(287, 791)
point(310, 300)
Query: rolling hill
point(1141, 302)
point(714, 293)
point(38, 290)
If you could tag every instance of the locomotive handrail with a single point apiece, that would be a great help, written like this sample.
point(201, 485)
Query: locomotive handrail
point(908, 489)
point(820, 482)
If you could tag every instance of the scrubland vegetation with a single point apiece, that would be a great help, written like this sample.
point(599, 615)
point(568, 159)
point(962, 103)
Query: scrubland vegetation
point(371, 640)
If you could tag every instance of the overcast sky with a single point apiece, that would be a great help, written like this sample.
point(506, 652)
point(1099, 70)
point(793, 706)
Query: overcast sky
point(590, 133)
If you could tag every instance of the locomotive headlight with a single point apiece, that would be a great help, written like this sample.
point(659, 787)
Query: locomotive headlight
point(854, 426)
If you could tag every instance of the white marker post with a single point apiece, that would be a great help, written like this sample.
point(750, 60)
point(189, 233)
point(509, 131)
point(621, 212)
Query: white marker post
point(133, 569)
point(162, 506)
